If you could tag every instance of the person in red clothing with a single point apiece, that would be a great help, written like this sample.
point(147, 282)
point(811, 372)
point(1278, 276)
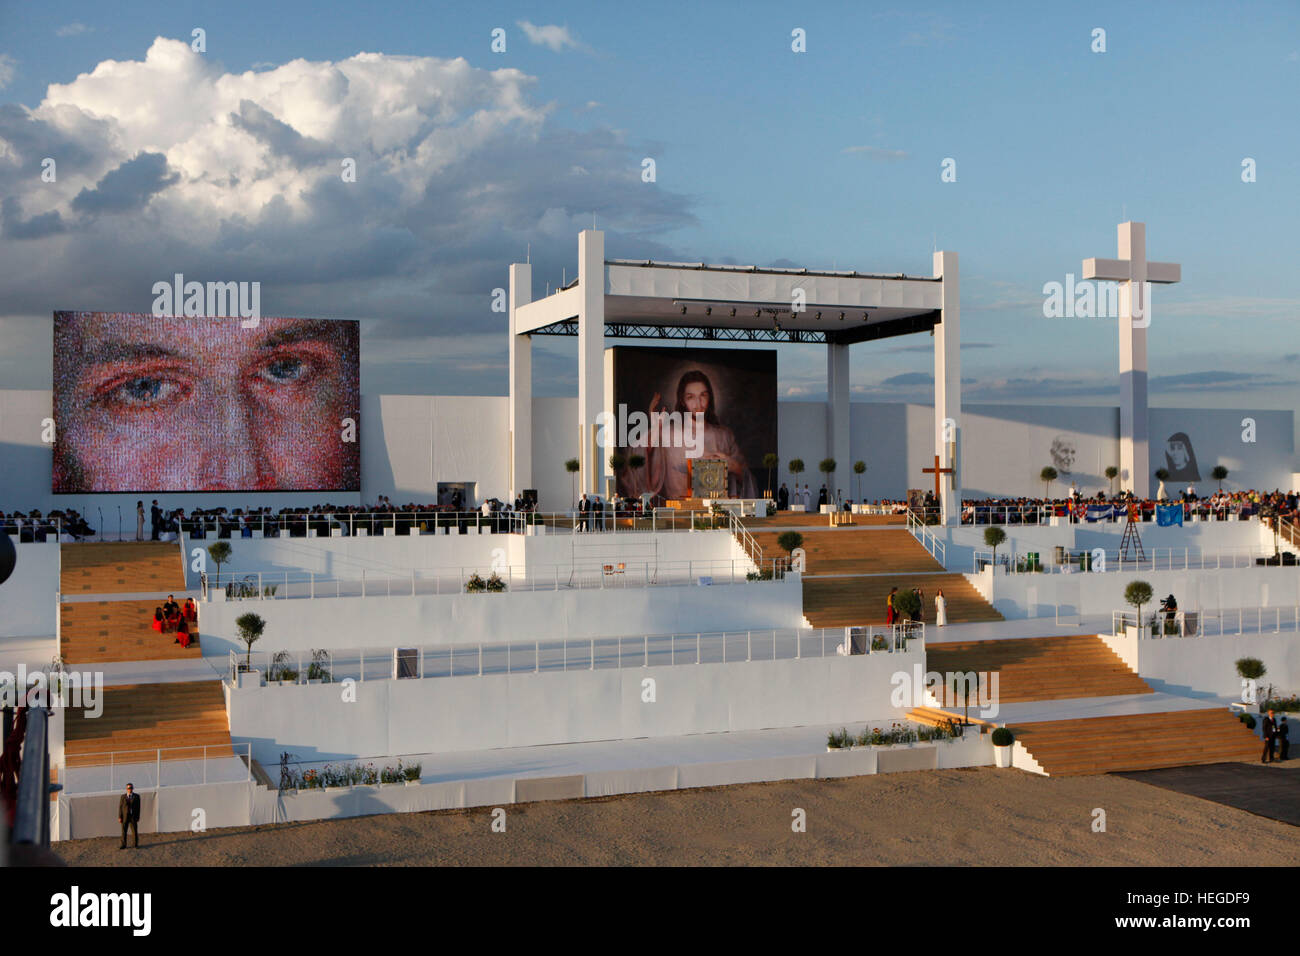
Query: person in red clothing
point(191, 610)
point(157, 622)
point(182, 633)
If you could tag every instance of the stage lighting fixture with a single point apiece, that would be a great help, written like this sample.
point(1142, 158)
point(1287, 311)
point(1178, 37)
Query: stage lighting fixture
point(683, 310)
point(733, 312)
point(708, 310)
point(819, 316)
point(841, 316)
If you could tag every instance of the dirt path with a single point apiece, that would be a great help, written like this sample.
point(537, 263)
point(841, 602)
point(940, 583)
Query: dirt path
point(954, 817)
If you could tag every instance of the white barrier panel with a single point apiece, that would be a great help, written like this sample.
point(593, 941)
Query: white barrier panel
point(321, 722)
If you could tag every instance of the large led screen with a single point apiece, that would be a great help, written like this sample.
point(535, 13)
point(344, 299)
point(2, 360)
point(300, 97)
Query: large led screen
point(659, 395)
point(179, 404)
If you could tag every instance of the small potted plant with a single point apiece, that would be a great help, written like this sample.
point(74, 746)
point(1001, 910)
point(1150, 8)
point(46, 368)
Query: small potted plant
point(412, 774)
point(1003, 738)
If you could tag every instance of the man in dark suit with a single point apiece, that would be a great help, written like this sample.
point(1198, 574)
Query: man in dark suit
point(1270, 737)
point(783, 498)
point(583, 508)
point(128, 814)
point(1283, 736)
point(155, 519)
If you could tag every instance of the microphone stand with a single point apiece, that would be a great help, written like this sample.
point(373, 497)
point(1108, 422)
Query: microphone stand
point(119, 523)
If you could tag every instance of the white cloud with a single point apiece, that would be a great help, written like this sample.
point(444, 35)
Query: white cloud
point(168, 164)
point(7, 70)
point(73, 30)
point(554, 38)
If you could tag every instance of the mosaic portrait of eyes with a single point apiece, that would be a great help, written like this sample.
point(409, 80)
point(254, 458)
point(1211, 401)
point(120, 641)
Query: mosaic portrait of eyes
point(286, 368)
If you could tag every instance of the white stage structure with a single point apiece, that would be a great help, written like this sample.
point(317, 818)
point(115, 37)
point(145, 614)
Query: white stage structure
point(618, 298)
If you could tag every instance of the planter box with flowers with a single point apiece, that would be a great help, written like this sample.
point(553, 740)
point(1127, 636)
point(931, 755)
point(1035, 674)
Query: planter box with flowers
point(477, 585)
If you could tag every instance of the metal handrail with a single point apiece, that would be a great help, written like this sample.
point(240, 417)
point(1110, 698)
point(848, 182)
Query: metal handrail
point(825, 642)
point(1279, 617)
point(32, 809)
point(921, 531)
point(1188, 558)
point(600, 574)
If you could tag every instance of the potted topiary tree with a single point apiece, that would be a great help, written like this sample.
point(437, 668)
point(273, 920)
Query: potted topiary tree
point(789, 542)
point(573, 466)
point(1136, 594)
point(1218, 474)
point(219, 552)
point(1250, 670)
point(993, 537)
point(1111, 474)
point(250, 627)
point(859, 469)
point(1003, 739)
point(1047, 476)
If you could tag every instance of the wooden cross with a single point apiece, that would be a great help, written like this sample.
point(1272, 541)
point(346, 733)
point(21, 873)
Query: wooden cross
point(936, 471)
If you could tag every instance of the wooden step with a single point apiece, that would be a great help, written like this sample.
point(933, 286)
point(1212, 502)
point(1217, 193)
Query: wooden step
point(840, 602)
point(1137, 742)
point(855, 552)
point(179, 717)
point(112, 567)
point(1038, 668)
point(93, 632)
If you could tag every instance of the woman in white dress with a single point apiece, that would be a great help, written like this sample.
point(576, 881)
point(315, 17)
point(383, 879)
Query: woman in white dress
point(139, 521)
point(940, 609)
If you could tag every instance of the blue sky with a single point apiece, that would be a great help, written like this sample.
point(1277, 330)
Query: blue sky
point(829, 158)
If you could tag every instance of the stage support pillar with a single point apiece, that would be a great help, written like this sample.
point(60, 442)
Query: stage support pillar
point(947, 387)
point(837, 416)
point(591, 358)
point(520, 464)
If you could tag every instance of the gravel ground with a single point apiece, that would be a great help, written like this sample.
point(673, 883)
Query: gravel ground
point(978, 816)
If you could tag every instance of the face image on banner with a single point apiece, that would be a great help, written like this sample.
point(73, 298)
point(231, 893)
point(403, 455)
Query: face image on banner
point(177, 404)
point(1180, 459)
point(674, 406)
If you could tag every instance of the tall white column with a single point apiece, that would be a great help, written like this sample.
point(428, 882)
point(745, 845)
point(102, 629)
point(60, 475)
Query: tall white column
point(1134, 442)
point(521, 385)
point(591, 357)
point(947, 387)
point(837, 417)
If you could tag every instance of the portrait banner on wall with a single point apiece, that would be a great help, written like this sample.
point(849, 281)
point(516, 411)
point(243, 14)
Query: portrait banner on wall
point(676, 406)
point(146, 403)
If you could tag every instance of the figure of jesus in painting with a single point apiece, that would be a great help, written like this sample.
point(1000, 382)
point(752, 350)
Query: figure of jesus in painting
point(695, 432)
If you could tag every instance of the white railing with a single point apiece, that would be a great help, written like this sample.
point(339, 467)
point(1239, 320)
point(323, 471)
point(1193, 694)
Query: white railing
point(1215, 622)
point(347, 524)
point(1154, 559)
point(570, 654)
point(602, 576)
point(154, 768)
point(746, 539)
point(916, 524)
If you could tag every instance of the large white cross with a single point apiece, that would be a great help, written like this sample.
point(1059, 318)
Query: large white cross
point(1133, 272)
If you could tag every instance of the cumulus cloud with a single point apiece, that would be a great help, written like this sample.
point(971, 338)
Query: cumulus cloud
point(169, 164)
point(556, 39)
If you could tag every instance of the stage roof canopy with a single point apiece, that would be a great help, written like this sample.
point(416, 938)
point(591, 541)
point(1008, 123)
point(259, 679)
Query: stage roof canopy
point(681, 300)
